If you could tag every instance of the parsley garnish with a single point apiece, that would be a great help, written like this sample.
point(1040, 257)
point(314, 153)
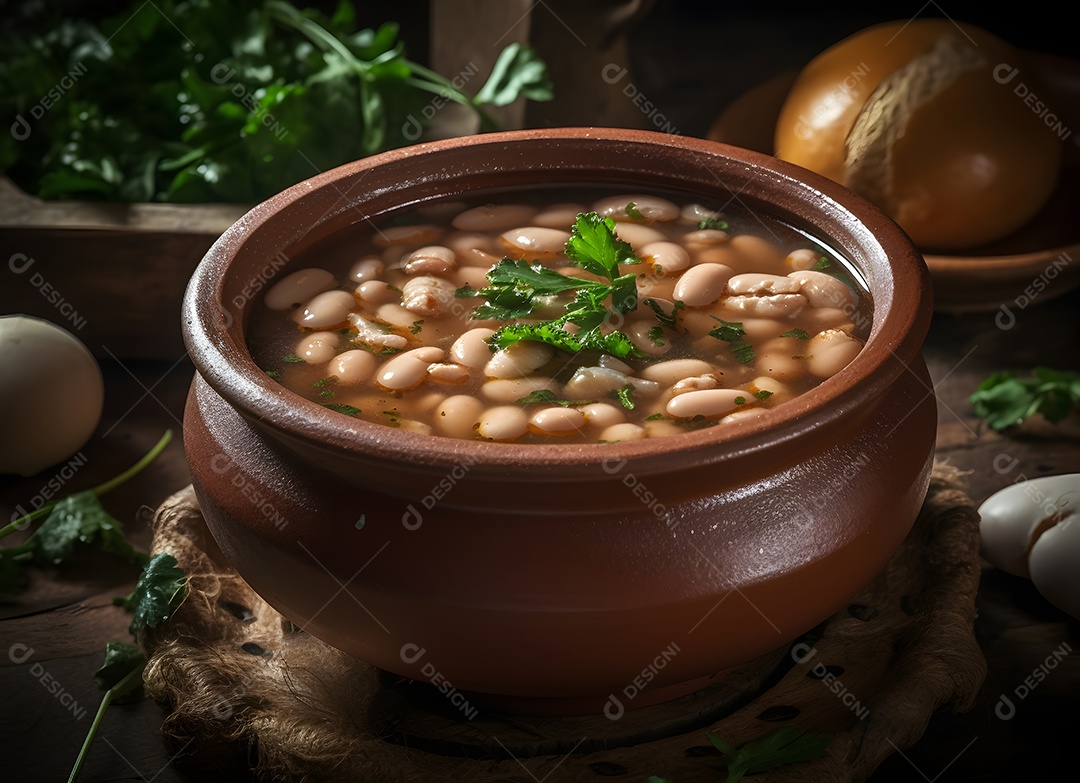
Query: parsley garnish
point(273, 374)
point(338, 407)
point(516, 288)
point(656, 334)
point(633, 213)
point(822, 263)
point(763, 395)
point(625, 397)
point(1004, 399)
point(655, 417)
point(670, 320)
point(291, 358)
point(327, 380)
point(788, 745)
point(416, 326)
point(549, 397)
point(740, 401)
point(714, 223)
point(732, 332)
point(798, 334)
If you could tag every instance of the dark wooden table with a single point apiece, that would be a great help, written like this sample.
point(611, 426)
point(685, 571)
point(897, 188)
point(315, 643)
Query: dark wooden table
point(52, 636)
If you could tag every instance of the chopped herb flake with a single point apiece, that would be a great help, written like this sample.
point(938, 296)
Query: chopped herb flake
point(416, 326)
point(732, 332)
point(713, 223)
point(625, 397)
point(633, 213)
point(798, 334)
point(763, 395)
point(822, 263)
point(740, 401)
point(291, 358)
point(338, 407)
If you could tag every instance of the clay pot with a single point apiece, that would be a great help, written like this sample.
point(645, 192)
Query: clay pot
point(560, 579)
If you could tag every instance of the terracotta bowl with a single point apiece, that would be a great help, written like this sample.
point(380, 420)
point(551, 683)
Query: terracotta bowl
point(559, 579)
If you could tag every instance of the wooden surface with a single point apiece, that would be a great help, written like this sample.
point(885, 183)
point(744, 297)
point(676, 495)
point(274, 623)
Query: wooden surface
point(67, 618)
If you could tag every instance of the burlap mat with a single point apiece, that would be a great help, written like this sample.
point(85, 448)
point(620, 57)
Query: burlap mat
point(243, 689)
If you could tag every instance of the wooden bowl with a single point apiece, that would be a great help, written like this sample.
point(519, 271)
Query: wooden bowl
point(1036, 263)
point(556, 578)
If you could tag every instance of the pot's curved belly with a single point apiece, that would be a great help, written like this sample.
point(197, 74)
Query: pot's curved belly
point(557, 613)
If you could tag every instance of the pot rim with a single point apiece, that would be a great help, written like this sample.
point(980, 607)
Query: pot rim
point(897, 279)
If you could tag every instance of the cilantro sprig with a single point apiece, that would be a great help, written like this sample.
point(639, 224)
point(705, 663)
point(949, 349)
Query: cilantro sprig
point(732, 332)
point(517, 288)
point(161, 588)
point(72, 525)
point(1005, 399)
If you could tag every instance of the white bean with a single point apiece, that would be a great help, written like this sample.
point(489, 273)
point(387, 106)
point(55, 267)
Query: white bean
point(504, 423)
point(537, 241)
point(703, 284)
point(377, 292)
point(430, 260)
point(666, 257)
point(471, 349)
point(776, 306)
point(622, 431)
point(642, 335)
point(695, 383)
point(651, 208)
point(407, 370)
point(396, 315)
point(667, 373)
point(602, 414)
point(374, 333)
point(353, 367)
point(638, 235)
point(758, 251)
point(326, 309)
point(493, 217)
point(803, 258)
point(518, 360)
point(782, 367)
point(706, 402)
point(366, 269)
point(558, 215)
point(319, 347)
point(830, 352)
point(705, 237)
point(458, 415)
point(617, 365)
point(742, 415)
point(426, 295)
point(592, 382)
point(298, 287)
point(506, 390)
point(822, 290)
point(450, 374)
point(760, 284)
point(463, 242)
point(556, 421)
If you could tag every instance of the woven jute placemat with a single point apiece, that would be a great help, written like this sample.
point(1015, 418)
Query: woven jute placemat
point(245, 692)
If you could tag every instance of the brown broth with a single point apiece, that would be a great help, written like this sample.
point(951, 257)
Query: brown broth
point(779, 370)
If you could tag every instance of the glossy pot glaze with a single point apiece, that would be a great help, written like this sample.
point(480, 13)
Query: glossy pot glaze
point(560, 578)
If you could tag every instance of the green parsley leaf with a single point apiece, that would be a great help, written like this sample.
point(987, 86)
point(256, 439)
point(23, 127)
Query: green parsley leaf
point(656, 334)
point(121, 659)
point(633, 213)
point(670, 320)
point(273, 374)
point(625, 396)
point(713, 223)
point(324, 381)
point(1005, 399)
point(291, 358)
point(787, 745)
point(798, 334)
point(740, 401)
point(732, 332)
point(416, 326)
point(516, 288)
point(338, 407)
point(822, 264)
point(77, 520)
point(548, 397)
point(594, 245)
point(656, 417)
point(158, 592)
point(763, 395)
